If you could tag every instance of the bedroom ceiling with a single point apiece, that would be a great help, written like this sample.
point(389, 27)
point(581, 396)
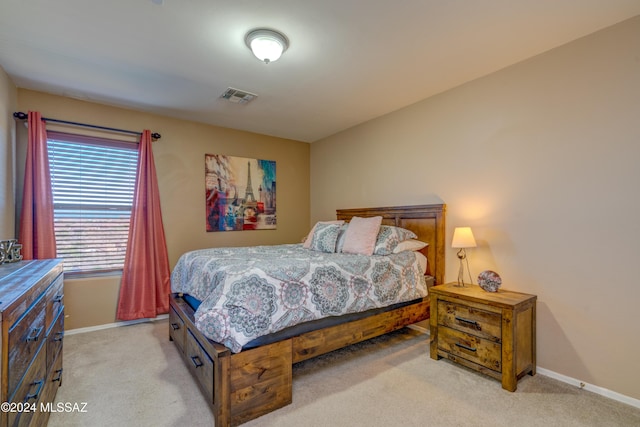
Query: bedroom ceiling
point(349, 61)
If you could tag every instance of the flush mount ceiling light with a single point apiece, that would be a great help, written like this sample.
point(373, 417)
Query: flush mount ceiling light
point(267, 45)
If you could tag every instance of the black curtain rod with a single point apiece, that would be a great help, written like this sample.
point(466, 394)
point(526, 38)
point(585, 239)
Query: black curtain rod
point(23, 116)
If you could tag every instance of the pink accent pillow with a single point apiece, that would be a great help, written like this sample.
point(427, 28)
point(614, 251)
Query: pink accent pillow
point(309, 238)
point(361, 234)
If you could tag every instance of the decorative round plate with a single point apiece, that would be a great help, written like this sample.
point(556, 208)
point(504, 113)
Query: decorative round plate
point(489, 280)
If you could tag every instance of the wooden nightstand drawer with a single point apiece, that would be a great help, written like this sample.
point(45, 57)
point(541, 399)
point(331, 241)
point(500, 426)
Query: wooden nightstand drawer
point(477, 322)
point(470, 347)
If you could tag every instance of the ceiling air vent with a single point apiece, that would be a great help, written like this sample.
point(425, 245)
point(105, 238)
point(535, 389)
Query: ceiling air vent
point(238, 96)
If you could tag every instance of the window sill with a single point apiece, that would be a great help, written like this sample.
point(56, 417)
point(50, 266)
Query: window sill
point(92, 274)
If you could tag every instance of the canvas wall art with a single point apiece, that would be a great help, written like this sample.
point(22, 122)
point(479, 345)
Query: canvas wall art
point(240, 193)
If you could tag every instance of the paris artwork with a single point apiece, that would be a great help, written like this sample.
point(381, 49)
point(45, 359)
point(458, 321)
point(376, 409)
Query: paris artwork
point(240, 193)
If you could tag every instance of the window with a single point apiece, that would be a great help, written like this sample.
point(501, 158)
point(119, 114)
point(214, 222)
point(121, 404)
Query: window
point(93, 180)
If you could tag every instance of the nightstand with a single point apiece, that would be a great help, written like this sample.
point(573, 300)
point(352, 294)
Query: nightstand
point(490, 332)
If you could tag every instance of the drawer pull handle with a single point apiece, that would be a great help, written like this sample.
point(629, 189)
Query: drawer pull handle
point(175, 326)
point(35, 334)
point(37, 393)
point(58, 336)
point(196, 361)
point(58, 298)
point(471, 323)
point(59, 377)
point(466, 347)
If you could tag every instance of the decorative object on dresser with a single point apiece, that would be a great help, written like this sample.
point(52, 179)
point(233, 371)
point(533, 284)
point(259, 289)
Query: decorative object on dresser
point(489, 280)
point(490, 332)
point(32, 310)
point(462, 239)
point(10, 251)
point(240, 386)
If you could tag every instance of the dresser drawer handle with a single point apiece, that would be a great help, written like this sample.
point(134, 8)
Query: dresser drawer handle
point(466, 347)
point(37, 393)
point(59, 377)
point(58, 336)
point(196, 361)
point(58, 298)
point(175, 326)
point(471, 323)
point(35, 334)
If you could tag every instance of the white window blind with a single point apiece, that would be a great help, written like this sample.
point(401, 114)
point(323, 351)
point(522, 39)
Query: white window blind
point(93, 181)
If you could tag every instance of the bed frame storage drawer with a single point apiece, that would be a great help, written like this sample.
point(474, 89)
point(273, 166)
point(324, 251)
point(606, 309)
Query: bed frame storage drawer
point(200, 365)
point(176, 329)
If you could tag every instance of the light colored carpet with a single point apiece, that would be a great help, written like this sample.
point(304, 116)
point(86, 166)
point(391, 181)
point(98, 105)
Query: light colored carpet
point(133, 376)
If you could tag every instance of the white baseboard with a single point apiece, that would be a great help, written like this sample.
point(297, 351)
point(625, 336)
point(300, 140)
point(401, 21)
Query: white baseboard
point(114, 325)
point(590, 387)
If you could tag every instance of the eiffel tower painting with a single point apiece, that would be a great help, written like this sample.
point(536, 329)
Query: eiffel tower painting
point(229, 206)
point(249, 192)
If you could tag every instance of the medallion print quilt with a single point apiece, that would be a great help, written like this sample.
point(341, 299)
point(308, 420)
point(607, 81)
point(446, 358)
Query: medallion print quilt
point(250, 292)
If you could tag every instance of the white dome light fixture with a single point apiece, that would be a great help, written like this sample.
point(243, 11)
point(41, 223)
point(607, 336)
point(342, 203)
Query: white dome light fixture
point(267, 45)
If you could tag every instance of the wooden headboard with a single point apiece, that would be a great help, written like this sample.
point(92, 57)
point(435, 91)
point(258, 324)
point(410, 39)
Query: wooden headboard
point(427, 221)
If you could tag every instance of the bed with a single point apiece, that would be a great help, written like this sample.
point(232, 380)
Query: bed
point(244, 383)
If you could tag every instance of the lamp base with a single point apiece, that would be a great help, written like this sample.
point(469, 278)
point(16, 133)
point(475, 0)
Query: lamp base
point(461, 256)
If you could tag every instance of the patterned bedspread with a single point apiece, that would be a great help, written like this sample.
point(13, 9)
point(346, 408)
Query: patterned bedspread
point(254, 291)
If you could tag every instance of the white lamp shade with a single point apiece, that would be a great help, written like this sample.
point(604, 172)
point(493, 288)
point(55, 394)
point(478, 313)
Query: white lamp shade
point(267, 45)
point(463, 238)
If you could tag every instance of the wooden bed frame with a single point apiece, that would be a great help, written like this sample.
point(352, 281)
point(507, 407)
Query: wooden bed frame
point(243, 386)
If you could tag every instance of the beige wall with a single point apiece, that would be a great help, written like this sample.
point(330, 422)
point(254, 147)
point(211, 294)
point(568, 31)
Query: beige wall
point(8, 101)
point(179, 157)
point(541, 160)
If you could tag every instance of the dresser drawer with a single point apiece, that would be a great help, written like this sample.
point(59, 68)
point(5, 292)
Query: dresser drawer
point(200, 364)
point(25, 338)
point(55, 301)
point(176, 329)
point(54, 340)
point(470, 347)
point(481, 323)
point(54, 380)
point(30, 390)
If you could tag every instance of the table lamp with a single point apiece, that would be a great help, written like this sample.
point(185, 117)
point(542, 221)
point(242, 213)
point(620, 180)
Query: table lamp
point(462, 239)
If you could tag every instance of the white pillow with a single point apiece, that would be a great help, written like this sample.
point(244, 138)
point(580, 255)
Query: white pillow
point(409, 245)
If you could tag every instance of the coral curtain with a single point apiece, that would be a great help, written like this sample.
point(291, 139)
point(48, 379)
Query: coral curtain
point(144, 290)
point(37, 234)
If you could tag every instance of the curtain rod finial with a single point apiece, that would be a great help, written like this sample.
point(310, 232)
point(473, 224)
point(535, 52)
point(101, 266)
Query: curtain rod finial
point(19, 115)
point(155, 136)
